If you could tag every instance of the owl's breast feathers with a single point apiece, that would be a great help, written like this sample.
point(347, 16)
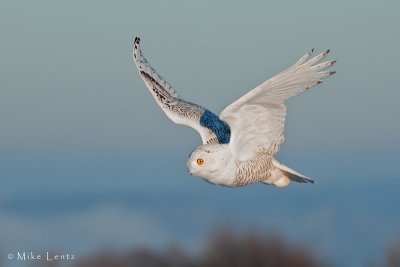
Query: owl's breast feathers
point(254, 170)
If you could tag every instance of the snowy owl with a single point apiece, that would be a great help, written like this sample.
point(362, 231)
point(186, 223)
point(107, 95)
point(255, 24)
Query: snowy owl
point(239, 145)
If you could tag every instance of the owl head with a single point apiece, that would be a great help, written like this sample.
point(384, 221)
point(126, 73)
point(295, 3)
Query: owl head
point(209, 161)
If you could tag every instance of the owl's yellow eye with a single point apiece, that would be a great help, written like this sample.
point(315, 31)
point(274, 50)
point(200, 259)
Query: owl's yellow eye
point(200, 161)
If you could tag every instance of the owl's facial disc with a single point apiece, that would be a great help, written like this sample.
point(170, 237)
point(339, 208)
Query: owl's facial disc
point(198, 161)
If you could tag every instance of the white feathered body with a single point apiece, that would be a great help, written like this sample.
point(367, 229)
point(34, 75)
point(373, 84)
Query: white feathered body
point(262, 168)
point(240, 143)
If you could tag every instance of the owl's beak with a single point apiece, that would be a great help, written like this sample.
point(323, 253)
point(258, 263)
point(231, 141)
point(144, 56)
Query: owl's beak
point(188, 168)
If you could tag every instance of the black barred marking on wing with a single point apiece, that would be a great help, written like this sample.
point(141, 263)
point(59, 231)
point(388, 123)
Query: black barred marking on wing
point(178, 106)
point(187, 110)
point(143, 65)
point(213, 140)
point(152, 80)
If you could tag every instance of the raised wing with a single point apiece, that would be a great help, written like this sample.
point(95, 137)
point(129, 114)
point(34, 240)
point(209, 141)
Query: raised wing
point(206, 123)
point(257, 118)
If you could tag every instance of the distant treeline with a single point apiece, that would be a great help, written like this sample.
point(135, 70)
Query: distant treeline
point(223, 249)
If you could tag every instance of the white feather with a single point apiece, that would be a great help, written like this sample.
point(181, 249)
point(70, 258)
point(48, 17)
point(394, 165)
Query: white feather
point(256, 122)
point(257, 118)
point(177, 109)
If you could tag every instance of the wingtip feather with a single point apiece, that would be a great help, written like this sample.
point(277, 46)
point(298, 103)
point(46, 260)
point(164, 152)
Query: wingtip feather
point(327, 52)
point(136, 47)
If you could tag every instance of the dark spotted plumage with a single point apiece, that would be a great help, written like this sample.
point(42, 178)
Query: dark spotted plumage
point(255, 170)
point(255, 122)
point(210, 127)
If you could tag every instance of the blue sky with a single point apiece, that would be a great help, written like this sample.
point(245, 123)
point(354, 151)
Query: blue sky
point(83, 143)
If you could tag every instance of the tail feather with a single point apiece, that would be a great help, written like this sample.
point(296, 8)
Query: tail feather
point(283, 175)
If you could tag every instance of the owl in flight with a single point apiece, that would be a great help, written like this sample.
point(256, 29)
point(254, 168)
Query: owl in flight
point(239, 144)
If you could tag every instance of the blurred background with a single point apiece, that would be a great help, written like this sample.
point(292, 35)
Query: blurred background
point(90, 166)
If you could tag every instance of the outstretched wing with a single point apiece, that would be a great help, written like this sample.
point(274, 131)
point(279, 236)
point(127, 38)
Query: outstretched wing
point(257, 118)
point(206, 123)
